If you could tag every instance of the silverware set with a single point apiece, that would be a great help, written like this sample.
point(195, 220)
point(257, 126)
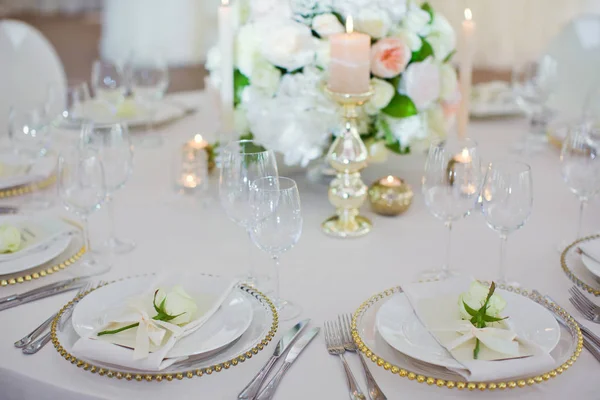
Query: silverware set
point(338, 340)
point(292, 344)
point(42, 292)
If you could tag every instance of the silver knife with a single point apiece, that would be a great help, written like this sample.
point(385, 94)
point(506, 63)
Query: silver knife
point(269, 391)
point(251, 390)
point(42, 295)
point(21, 296)
point(8, 210)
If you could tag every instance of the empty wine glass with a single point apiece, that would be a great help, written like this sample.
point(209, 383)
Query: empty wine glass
point(149, 80)
point(507, 200)
point(243, 162)
point(580, 165)
point(276, 227)
point(28, 132)
point(66, 105)
point(451, 187)
point(109, 83)
point(112, 143)
point(82, 189)
point(532, 85)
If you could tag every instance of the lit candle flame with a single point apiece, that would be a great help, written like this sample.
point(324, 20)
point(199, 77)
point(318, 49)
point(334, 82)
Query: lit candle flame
point(349, 24)
point(468, 14)
point(198, 138)
point(225, 3)
point(390, 179)
point(465, 154)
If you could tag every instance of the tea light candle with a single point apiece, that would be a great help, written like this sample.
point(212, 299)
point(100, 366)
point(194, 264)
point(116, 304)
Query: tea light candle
point(390, 181)
point(464, 157)
point(189, 181)
point(198, 143)
point(390, 195)
point(350, 68)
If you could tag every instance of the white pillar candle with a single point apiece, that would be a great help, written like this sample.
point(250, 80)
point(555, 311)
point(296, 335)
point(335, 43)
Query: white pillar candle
point(466, 71)
point(350, 69)
point(226, 50)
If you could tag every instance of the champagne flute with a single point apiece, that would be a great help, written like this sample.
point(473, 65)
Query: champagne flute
point(149, 80)
point(113, 145)
point(580, 165)
point(243, 162)
point(507, 200)
point(82, 189)
point(450, 187)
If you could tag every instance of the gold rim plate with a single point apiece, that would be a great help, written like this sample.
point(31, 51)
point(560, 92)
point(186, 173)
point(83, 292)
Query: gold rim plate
point(572, 265)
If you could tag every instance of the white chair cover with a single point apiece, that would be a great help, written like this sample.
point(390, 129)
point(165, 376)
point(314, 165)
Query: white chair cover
point(29, 66)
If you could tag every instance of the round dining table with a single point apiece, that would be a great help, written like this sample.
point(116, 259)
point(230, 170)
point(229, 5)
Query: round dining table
point(323, 275)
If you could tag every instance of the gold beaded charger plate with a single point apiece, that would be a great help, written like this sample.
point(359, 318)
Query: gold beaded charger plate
point(258, 335)
point(575, 268)
point(68, 257)
point(370, 342)
point(19, 177)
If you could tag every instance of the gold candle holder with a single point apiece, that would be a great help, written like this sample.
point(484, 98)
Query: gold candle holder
point(348, 156)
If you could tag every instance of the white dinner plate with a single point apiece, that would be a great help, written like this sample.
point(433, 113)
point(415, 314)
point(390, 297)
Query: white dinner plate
point(33, 258)
point(592, 265)
point(21, 172)
point(222, 329)
point(400, 327)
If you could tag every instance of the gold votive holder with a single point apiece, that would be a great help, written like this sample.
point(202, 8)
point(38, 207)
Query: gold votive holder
point(192, 148)
point(390, 196)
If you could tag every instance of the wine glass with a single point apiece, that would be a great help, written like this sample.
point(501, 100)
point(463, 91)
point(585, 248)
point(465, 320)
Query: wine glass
point(149, 80)
point(67, 105)
point(28, 132)
point(276, 227)
point(243, 162)
point(109, 83)
point(580, 165)
point(532, 85)
point(507, 199)
point(112, 143)
point(451, 186)
point(82, 189)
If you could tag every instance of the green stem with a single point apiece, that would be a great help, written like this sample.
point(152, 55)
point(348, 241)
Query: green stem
point(476, 349)
point(124, 328)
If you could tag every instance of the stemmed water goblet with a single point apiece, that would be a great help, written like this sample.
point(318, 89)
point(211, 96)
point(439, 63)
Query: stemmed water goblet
point(507, 200)
point(580, 166)
point(450, 187)
point(109, 83)
point(113, 145)
point(82, 189)
point(532, 84)
point(242, 163)
point(65, 106)
point(149, 80)
point(276, 227)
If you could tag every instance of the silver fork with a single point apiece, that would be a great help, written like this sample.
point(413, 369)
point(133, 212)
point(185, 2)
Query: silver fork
point(37, 345)
point(335, 347)
point(586, 304)
point(372, 386)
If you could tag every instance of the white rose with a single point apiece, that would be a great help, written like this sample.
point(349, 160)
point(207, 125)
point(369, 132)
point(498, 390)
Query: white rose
point(326, 25)
point(421, 82)
point(412, 40)
point(10, 239)
point(383, 94)
point(177, 302)
point(265, 76)
point(263, 8)
point(378, 153)
point(375, 22)
point(417, 20)
point(323, 53)
point(289, 45)
point(448, 82)
point(475, 298)
point(436, 121)
point(240, 121)
point(247, 48)
point(442, 37)
point(407, 130)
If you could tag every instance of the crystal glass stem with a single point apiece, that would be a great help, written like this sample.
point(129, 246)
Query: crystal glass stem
point(110, 208)
point(446, 266)
point(250, 276)
point(582, 204)
point(86, 235)
point(502, 266)
point(276, 281)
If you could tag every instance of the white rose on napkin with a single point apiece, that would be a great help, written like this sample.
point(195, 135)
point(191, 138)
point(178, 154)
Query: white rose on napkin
point(10, 239)
point(178, 303)
point(475, 298)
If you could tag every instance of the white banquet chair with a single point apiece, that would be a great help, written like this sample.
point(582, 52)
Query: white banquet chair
point(29, 65)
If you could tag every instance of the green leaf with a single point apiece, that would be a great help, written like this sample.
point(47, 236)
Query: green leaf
point(471, 311)
point(488, 318)
point(425, 51)
point(449, 56)
point(156, 308)
point(240, 81)
point(427, 7)
point(400, 106)
point(489, 296)
point(339, 18)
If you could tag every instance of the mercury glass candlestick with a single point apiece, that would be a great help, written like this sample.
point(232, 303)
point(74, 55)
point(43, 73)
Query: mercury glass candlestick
point(348, 156)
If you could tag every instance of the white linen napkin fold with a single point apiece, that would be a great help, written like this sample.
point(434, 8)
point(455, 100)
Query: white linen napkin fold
point(436, 305)
point(591, 249)
point(37, 233)
point(107, 352)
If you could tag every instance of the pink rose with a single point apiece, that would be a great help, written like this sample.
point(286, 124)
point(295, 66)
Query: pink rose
point(421, 82)
point(389, 57)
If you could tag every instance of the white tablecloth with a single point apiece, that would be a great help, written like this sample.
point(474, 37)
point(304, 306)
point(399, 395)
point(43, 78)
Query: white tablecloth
point(325, 276)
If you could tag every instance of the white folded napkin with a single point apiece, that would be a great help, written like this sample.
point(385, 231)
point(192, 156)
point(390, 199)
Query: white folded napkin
point(436, 305)
point(104, 351)
point(37, 233)
point(591, 249)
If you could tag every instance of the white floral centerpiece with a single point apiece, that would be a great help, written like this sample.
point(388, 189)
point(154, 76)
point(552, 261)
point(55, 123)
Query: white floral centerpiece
point(282, 55)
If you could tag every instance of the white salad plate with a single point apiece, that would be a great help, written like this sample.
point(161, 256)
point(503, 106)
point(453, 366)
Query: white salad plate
point(16, 171)
point(400, 327)
point(226, 326)
point(32, 257)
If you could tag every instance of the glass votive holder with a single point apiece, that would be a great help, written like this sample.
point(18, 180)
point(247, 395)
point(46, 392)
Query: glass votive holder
point(190, 171)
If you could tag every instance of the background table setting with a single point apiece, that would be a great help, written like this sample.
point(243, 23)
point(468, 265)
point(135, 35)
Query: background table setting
point(260, 239)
